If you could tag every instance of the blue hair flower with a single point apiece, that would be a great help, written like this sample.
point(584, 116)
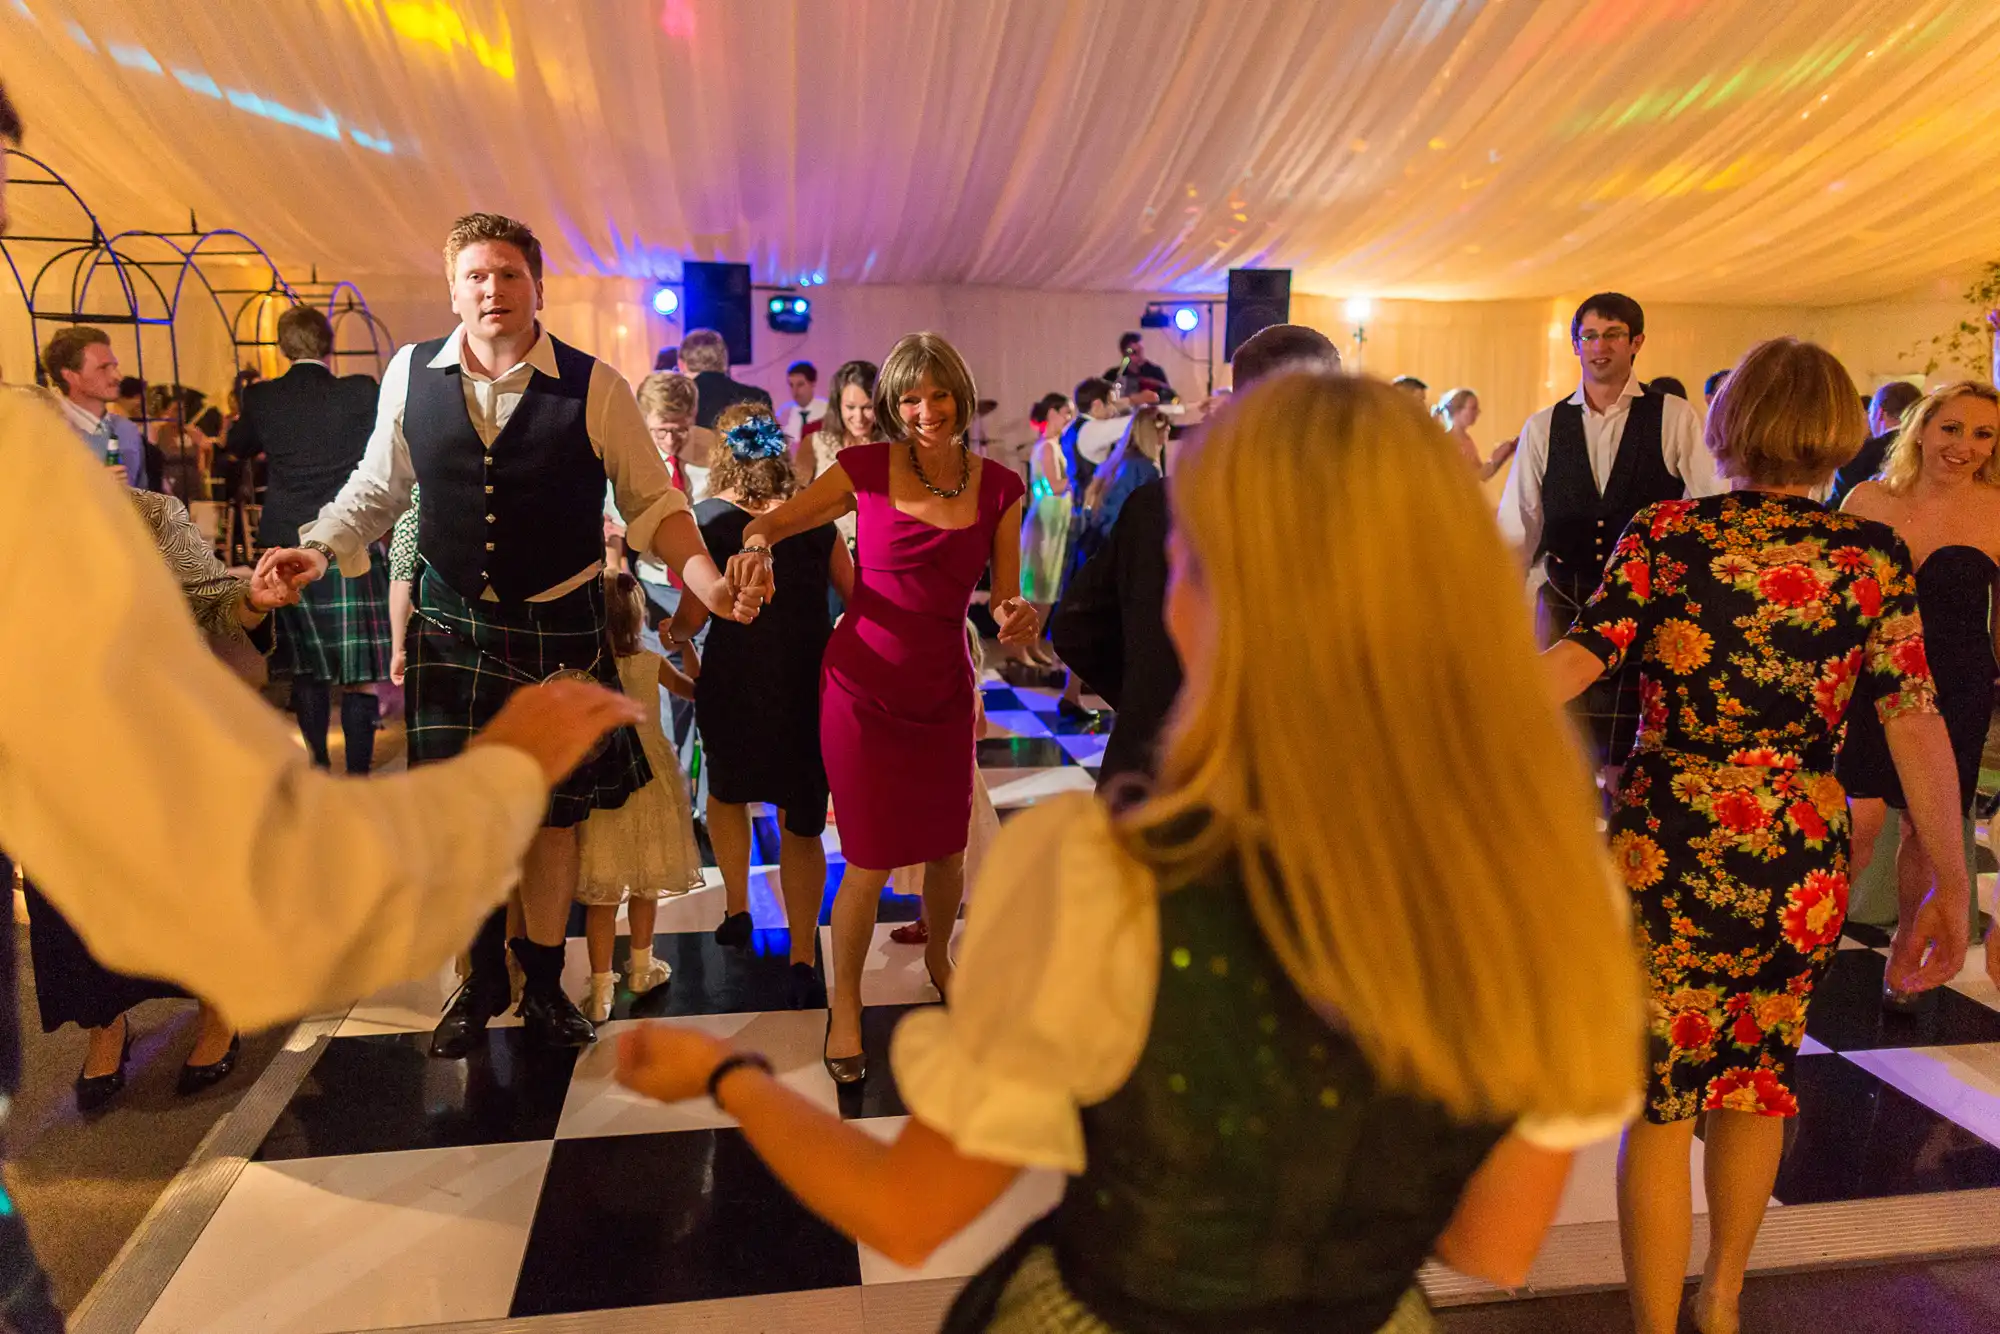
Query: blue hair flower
point(758, 438)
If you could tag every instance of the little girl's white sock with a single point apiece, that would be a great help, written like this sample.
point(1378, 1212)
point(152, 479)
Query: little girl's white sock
point(642, 959)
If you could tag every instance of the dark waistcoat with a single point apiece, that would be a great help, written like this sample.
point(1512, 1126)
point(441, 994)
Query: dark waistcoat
point(528, 512)
point(1580, 525)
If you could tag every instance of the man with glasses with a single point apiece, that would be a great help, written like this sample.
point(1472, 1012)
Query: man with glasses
point(1586, 466)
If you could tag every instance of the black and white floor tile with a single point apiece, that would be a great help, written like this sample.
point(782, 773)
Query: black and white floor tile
point(396, 1192)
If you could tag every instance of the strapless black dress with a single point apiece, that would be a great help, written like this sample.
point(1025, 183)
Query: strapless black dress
point(1954, 595)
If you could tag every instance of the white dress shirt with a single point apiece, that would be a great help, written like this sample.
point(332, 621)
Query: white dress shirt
point(1681, 447)
point(797, 418)
point(379, 490)
point(170, 814)
point(1097, 435)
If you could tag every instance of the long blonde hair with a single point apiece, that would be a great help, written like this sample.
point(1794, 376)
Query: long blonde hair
point(1374, 721)
point(1906, 456)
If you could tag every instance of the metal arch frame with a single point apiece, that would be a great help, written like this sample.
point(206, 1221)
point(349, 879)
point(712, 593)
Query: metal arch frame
point(97, 240)
point(342, 301)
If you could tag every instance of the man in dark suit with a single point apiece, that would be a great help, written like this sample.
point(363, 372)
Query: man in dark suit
point(312, 426)
point(705, 356)
point(1885, 419)
point(1111, 628)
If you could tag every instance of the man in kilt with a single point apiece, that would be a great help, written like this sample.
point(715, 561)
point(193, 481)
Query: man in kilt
point(312, 426)
point(513, 436)
point(1585, 466)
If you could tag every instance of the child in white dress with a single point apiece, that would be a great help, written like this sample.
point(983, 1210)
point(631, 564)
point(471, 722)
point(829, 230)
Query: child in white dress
point(645, 848)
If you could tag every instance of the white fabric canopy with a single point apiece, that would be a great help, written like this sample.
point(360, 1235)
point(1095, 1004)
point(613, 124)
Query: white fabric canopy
point(1023, 174)
point(1696, 150)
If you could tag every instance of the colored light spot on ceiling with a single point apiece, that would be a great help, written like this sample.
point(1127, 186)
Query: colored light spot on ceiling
point(134, 57)
point(677, 19)
point(434, 23)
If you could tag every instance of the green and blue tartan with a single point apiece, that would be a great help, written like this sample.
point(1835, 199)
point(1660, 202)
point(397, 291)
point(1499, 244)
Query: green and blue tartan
point(338, 631)
point(467, 657)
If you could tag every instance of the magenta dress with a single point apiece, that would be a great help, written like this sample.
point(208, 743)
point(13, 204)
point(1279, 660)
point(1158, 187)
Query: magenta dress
point(896, 692)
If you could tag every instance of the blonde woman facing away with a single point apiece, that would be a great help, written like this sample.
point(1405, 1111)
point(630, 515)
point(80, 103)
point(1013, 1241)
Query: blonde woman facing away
point(1758, 616)
point(1232, 1012)
point(1940, 491)
point(1458, 412)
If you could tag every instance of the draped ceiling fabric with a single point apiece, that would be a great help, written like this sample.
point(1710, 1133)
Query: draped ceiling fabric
point(1701, 153)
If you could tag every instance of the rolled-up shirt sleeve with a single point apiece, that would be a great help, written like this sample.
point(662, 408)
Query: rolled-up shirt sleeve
point(1063, 924)
point(378, 491)
point(267, 887)
point(640, 485)
point(1686, 453)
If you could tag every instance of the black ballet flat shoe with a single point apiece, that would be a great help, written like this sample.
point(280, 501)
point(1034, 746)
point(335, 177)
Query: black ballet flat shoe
point(195, 1078)
point(937, 986)
point(552, 1020)
point(843, 1069)
point(465, 1021)
point(94, 1092)
point(807, 994)
point(1909, 1002)
point(734, 931)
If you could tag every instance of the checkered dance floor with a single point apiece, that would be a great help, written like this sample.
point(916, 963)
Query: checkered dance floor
point(525, 1190)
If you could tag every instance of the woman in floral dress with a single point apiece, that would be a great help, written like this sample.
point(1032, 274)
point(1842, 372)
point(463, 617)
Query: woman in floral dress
point(1754, 614)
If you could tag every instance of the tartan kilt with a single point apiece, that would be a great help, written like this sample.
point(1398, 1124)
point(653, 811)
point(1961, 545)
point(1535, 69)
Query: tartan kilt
point(466, 658)
point(1608, 711)
point(338, 631)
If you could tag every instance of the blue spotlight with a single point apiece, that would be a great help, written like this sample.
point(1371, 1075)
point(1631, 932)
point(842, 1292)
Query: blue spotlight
point(789, 314)
point(665, 300)
point(1186, 318)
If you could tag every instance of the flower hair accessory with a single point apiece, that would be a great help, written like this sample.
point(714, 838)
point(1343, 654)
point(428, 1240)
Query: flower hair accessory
point(758, 438)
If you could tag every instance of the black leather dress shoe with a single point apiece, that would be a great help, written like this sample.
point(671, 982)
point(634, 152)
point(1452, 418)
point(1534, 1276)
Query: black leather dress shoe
point(465, 1021)
point(195, 1078)
point(552, 1020)
point(93, 1092)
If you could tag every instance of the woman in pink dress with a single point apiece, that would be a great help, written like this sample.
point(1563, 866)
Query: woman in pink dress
point(897, 690)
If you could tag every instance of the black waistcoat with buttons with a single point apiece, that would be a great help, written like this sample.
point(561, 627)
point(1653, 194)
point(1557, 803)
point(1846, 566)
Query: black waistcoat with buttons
point(523, 514)
point(1581, 525)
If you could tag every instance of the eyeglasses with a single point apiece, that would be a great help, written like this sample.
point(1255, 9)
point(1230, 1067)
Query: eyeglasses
point(1609, 337)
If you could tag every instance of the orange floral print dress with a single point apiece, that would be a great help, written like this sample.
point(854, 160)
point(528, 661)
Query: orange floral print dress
point(1754, 615)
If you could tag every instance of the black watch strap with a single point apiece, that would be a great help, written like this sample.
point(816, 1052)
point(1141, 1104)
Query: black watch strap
point(731, 1064)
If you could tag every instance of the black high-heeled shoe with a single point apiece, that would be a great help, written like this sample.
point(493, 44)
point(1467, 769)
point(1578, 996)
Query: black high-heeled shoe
point(843, 1069)
point(734, 931)
point(93, 1092)
point(195, 1078)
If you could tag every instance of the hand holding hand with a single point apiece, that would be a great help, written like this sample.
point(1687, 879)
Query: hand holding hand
point(1929, 949)
point(1019, 622)
point(270, 591)
point(558, 723)
point(297, 566)
point(670, 1062)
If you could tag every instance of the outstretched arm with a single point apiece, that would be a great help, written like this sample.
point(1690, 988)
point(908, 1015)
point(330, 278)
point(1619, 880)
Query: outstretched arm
point(830, 496)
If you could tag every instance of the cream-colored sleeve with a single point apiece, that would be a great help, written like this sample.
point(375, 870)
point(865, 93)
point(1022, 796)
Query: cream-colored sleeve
point(1052, 999)
point(641, 487)
point(167, 810)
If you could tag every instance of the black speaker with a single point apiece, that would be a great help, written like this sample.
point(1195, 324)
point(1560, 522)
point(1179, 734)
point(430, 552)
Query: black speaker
point(718, 298)
point(1258, 299)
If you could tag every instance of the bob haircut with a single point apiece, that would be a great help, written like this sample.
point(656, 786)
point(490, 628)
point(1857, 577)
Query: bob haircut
point(1905, 460)
point(1308, 752)
point(1788, 414)
point(912, 358)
